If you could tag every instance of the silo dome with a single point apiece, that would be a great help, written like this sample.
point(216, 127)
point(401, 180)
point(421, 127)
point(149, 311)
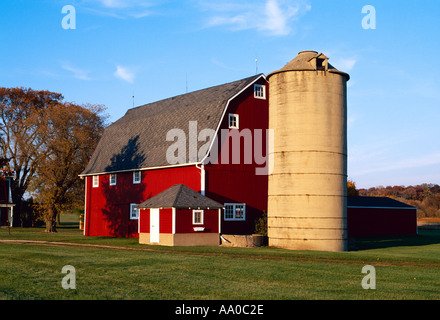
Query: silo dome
point(308, 185)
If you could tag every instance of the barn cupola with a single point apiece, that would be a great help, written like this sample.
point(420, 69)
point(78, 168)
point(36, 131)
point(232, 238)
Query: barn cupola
point(320, 62)
point(310, 61)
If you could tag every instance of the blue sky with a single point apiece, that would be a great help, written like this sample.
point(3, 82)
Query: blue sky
point(158, 49)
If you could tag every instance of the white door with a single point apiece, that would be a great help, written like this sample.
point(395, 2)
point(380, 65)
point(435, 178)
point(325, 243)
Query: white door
point(154, 225)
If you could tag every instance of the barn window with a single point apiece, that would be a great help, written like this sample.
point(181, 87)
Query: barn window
point(134, 212)
point(233, 121)
point(198, 217)
point(235, 211)
point(95, 181)
point(260, 91)
point(137, 177)
point(113, 179)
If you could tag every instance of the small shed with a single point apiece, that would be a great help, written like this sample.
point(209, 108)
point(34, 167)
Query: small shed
point(380, 216)
point(180, 216)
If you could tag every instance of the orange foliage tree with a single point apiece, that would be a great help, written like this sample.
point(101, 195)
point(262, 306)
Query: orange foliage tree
point(35, 129)
point(23, 117)
point(72, 134)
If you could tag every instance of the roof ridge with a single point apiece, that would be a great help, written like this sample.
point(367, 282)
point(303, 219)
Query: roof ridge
point(195, 91)
point(179, 191)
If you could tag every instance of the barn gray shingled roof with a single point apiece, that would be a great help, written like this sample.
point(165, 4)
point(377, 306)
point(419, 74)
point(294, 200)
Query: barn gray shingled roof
point(138, 139)
point(181, 197)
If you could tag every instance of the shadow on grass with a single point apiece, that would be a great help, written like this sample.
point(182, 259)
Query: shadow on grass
point(425, 237)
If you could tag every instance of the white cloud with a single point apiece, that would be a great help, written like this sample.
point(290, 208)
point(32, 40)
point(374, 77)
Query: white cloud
point(277, 19)
point(124, 73)
point(273, 17)
point(77, 73)
point(345, 64)
point(403, 164)
point(121, 9)
point(118, 4)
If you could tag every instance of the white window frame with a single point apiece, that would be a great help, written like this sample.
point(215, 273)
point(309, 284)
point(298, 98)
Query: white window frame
point(233, 117)
point(234, 212)
point(134, 213)
point(95, 183)
point(202, 217)
point(260, 91)
point(137, 176)
point(112, 183)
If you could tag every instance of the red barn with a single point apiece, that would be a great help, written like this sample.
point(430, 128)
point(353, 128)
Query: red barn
point(212, 141)
point(379, 216)
point(180, 216)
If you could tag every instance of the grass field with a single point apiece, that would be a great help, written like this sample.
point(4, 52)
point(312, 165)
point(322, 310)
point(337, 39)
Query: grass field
point(111, 268)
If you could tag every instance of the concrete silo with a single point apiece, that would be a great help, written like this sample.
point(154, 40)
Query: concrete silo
point(308, 185)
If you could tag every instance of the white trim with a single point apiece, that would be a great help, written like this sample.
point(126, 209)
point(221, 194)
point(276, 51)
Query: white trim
point(131, 212)
point(142, 169)
point(219, 221)
point(202, 179)
point(95, 184)
point(202, 217)
point(263, 88)
point(236, 119)
point(110, 179)
point(234, 218)
point(134, 177)
point(174, 221)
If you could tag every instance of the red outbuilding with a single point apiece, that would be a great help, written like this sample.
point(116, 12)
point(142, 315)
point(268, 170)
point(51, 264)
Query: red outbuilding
point(380, 216)
point(179, 216)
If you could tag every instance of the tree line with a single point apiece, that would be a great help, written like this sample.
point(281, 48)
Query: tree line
point(425, 197)
point(46, 142)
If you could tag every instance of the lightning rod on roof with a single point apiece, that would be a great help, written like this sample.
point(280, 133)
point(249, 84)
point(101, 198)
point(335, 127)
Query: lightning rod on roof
point(256, 66)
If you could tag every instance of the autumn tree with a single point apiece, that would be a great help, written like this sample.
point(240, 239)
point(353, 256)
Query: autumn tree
point(72, 134)
point(23, 119)
point(351, 188)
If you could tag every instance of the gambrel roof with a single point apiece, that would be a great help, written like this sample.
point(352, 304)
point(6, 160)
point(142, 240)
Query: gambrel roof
point(181, 197)
point(138, 139)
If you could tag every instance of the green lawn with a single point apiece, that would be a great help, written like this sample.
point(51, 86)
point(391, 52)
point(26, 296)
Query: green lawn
point(406, 268)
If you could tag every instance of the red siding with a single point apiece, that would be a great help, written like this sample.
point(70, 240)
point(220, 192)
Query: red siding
point(184, 222)
point(144, 221)
point(380, 222)
point(108, 207)
point(238, 183)
point(166, 220)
